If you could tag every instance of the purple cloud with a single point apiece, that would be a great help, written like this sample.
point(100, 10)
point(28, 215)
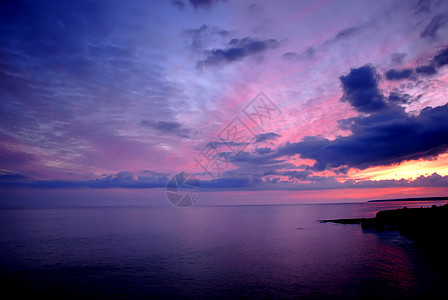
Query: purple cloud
point(394, 74)
point(387, 136)
point(437, 22)
point(237, 50)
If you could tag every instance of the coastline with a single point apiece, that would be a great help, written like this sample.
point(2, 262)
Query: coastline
point(426, 226)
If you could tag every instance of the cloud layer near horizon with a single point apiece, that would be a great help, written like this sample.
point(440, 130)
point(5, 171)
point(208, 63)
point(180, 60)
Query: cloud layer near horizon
point(128, 180)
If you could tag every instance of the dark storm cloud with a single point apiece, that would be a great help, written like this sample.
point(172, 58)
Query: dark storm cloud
point(237, 50)
point(387, 136)
point(437, 22)
point(394, 74)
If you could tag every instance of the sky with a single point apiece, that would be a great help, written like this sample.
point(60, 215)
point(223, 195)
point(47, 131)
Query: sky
point(315, 100)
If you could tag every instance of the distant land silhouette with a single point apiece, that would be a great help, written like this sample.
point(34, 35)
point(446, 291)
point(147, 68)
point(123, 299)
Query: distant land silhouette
point(426, 226)
point(412, 199)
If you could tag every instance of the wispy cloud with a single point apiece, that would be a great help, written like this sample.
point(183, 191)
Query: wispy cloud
point(437, 22)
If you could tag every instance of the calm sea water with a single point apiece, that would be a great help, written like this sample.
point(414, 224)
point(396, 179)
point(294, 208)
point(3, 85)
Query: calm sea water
point(211, 252)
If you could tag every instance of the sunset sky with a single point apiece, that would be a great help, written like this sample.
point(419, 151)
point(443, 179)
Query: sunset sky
point(119, 96)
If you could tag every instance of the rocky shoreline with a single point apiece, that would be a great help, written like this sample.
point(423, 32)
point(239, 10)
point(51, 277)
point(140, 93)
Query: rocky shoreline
point(428, 227)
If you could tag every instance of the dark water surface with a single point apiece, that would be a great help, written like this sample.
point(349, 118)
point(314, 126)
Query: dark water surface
point(210, 252)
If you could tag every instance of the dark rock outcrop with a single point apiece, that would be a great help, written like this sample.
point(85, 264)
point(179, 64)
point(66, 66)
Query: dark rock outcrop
point(427, 226)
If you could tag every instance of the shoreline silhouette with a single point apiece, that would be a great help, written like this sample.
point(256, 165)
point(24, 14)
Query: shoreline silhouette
point(426, 226)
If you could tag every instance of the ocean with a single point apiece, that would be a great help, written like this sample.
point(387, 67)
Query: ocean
point(210, 252)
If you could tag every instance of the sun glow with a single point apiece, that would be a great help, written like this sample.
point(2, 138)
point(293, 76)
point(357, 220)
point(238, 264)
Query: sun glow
point(408, 170)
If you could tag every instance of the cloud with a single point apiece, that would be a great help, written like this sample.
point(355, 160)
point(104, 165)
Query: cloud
point(196, 37)
point(262, 159)
point(237, 50)
point(202, 3)
point(254, 8)
point(219, 144)
point(172, 127)
point(311, 51)
point(122, 179)
point(426, 6)
point(276, 181)
point(179, 4)
point(82, 91)
point(290, 55)
point(73, 85)
point(385, 137)
point(308, 53)
point(361, 90)
point(395, 97)
point(10, 157)
point(441, 58)
point(13, 177)
point(270, 136)
point(435, 180)
point(394, 74)
point(437, 22)
point(346, 33)
point(262, 151)
point(426, 70)
point(301, 175)
point(397, 58)
point(196, 4)
point(272, 181)
point(199, 38)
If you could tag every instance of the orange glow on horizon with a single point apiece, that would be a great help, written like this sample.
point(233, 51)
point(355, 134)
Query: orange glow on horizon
point(409, 170)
